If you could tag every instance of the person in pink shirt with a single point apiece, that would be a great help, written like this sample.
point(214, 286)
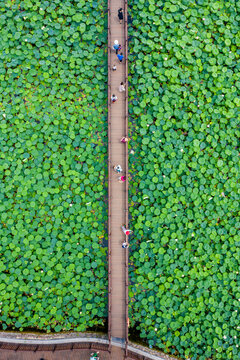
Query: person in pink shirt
point(122, 179)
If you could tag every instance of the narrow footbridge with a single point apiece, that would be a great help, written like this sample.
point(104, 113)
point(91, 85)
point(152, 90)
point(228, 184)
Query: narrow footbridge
point(117, 192)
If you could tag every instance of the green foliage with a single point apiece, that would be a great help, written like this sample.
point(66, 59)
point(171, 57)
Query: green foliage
point(184, 65)
point(52, 164)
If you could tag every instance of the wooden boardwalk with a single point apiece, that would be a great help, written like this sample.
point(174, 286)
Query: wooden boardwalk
point(118, 192)
point(49, 355)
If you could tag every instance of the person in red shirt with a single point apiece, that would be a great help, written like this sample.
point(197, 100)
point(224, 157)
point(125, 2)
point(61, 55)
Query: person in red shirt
point(126, 231)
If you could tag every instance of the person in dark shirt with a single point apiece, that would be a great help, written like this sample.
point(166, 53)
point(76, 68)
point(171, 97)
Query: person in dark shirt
point(120, 15)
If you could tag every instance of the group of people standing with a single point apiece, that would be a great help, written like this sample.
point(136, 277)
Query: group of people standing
point(118, 169)
point(120, 89)
point(117, 47)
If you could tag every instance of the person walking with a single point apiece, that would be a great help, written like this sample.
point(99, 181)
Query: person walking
point(120, 57)
point(119, 48)
point(117, 168)
point(126, 231)
point(120, 15)
point(121, 87)
point(114, 68)
point(122, 179)
point(124, 140)
point(125, 245)
point(94, 356)
point(115, 46)
point(114, 98)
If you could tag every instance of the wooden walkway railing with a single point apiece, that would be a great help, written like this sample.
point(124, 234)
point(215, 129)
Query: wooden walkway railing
point(109, 183)
point(126, 156)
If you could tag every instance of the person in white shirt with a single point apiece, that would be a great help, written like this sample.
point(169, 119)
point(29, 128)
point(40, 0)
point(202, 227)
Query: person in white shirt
point(121, 87)
point(114, 98)
point(118, 169)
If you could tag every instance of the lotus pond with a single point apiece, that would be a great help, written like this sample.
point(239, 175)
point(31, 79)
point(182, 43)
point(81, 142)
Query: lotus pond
point(53, 164)
point(184, 164)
